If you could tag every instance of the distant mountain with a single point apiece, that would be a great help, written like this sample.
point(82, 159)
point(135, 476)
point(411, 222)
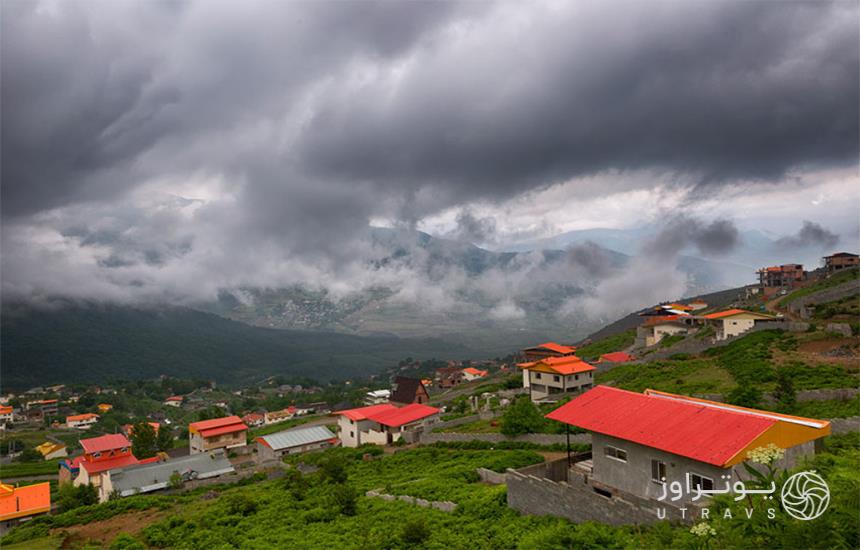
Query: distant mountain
point(477, 297)
point(98, 343)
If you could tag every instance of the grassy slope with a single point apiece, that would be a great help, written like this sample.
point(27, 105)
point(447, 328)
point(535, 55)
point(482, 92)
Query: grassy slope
point(838, 279)
point(276, 514)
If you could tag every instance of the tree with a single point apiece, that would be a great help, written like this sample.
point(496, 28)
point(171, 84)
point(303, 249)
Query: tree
point(175, 480)
point(745, 395)
point(345, 498)
point(143, 440)
point(414, 532)
point(784, 392)
point(163, 439)
point(522, 417)
point(69, 496)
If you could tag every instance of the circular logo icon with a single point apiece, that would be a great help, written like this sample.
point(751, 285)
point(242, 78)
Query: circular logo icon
point(805, 495)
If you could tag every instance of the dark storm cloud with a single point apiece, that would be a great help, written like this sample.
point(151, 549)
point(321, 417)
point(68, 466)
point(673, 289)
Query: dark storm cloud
point(302, 121)
point(810, 234)
point(717, 237)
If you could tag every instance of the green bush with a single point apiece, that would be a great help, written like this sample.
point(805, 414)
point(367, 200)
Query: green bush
point(124, 541)
point(522, 417)
point(414, 532)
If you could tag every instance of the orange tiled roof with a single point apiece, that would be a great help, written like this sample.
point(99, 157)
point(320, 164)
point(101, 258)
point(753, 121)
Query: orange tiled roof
point(662, 319)
point(558, 348)
point(726, 313)
point(5, 410)
point(570, 364)
point(475, 372)
point(78, 417)
point(18, 502)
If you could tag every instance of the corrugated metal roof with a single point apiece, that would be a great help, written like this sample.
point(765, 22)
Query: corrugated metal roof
point(296, 437)
point(702, 433)
point(151, 477)
point(104, 443)
point(404, 415)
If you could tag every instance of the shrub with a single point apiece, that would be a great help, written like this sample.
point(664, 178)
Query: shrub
point(345, 498)
point(414, 532)
point(522, 417)
point(124, 541)
point(240, 504)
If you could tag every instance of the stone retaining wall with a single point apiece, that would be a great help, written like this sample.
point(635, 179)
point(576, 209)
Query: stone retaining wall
point(442, 505)
point(845, 425)
point(489, 476)
point(801, 306)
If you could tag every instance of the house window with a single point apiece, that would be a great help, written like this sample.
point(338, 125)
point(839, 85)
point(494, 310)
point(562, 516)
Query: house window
point(658, 471)
point(351, 434)
point(705, 483)
point(615, 453)
point(556, 378)
point(537, 375)
point(576, 377)
point(96, 454)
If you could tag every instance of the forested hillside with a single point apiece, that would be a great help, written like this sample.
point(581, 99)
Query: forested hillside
point(88, 343)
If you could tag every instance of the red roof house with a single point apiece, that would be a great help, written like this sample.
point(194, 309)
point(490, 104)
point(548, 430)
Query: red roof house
point(616, 357)
point(383, 424)
point(218, 433)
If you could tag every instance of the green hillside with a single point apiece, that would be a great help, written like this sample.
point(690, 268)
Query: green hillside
point(89, 343)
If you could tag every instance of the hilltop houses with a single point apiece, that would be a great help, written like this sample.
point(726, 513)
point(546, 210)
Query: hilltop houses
point(779, 278)
point(408, 390)
point(839, 261)
point(377, 397)
point(642, 442)
point(253, 420)
point(82, 421)
point(544, 351)
point(228, 432)
point(274, 417)
point(384, 424)
point(616, 357)
point(6, 415)
point(733, 322)
point(554, 377)
point(448, 377)
point(294, 441)
point(655, 328)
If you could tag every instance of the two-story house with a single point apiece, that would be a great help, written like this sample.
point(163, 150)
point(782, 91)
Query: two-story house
point(733, 322)
point(81, 421)
point(101, 454)
point(219, 433)
point(554, 377)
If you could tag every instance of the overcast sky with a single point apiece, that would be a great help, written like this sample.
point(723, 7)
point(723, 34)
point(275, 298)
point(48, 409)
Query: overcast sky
point(168, 149)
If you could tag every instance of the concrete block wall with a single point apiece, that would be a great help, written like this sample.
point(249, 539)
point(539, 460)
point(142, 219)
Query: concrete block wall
point(539, 439)
point(578, 502)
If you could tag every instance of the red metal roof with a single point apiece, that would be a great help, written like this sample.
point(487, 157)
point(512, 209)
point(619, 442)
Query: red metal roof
point(231, 428)
point(475, 372)
point(389, 415)
point(403, 415)
point(204, 427)
point(569, 364)
point(362, 413)
point(105, 443)
point(96, 466)
point(18, 502)
point(695, 431)
point(617, 357)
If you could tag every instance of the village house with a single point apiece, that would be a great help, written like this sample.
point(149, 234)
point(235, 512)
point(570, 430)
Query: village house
point(173, 401)
point(654, 329)
point(18, 504)
point(252, 420)
point(408, 390)
point(377, 397)
point(733, 322)
point(554, 377)
point(51, 450)
point(384, 424)
point(219, 433)
point(471, 373)
point(101, 454)
point(448, 377)
point(6, 415)
point(158, 475)
point(294, 441)
point(104, 407)
point(82, 421)
point(47, 407)
point(279, 416)
point(776, 278)
point(643, 441)
point(542, 351)
point(840, 261)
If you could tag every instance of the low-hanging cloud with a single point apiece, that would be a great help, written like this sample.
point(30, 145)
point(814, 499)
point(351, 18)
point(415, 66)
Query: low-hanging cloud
point(810, 235)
